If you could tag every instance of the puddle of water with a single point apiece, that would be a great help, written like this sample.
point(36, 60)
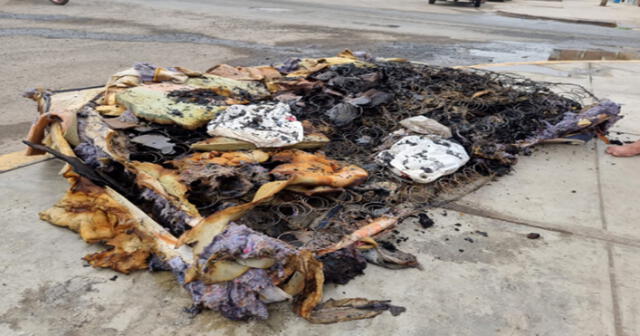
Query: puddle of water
point(507, 51)
point(503, 51)
point(591, 55)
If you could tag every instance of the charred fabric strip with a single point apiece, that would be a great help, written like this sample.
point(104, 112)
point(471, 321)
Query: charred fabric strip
point(352, 309)
point(390, 258)
point(172, 218)
point(315, 160)
point(598, 119)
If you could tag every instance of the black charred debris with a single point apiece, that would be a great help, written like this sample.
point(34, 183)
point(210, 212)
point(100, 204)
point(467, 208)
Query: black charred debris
point(357, 108)
point(510, 109)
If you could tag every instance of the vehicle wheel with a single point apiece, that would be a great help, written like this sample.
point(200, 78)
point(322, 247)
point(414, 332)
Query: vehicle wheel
point(432, 2)
point(476, 3)
point(59, 2)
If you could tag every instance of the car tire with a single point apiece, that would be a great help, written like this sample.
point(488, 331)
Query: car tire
point(431, 2)
point(476, 3)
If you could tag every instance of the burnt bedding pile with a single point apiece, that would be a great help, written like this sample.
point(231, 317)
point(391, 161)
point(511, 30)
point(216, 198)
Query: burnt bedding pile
point(259, 184)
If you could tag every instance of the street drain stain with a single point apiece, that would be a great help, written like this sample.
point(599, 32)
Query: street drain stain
point(377, 25)
point(271, 9)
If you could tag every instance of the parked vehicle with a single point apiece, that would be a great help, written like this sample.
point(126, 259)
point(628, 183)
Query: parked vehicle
point(59, 2)
point(476, 3)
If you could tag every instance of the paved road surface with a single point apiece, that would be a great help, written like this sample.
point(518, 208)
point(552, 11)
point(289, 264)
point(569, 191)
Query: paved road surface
point(84, 42)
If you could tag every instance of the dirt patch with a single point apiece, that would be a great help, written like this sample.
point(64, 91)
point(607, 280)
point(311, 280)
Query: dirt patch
point(54, 306)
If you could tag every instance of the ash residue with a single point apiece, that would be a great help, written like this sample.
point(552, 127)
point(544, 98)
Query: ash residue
point(197, 96)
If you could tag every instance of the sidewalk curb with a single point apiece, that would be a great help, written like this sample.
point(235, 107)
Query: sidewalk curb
point(609, 24)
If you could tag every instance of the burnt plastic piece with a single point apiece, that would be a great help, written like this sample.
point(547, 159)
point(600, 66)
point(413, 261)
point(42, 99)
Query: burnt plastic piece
point(83, 169)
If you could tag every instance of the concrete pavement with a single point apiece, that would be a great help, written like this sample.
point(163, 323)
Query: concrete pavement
point(577, 11)
point(482, 275)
